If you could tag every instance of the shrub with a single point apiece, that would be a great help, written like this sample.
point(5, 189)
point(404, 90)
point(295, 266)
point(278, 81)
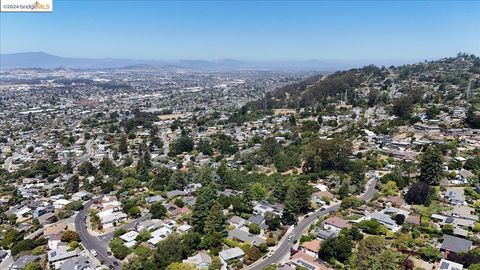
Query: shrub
point(69, 236)
point(23, 245)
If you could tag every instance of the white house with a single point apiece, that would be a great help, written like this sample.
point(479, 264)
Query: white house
point(231, 254)
point(60, 203)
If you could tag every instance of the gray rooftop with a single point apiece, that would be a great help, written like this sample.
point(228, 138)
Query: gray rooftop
point(231, 253)
point(455, 244)
point(245, 237)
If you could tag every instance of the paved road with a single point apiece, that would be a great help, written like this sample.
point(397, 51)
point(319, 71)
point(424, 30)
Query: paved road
point(92, 242)
point(8, 162)
point(284, 247)
point(106, 238)
point(88, 152)
point(7, 261)
point(100, 243)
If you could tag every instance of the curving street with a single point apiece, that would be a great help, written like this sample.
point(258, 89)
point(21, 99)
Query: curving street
point(92, 242)
point(285, 246)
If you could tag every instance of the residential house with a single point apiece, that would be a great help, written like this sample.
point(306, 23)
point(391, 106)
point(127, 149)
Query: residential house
point(231, 254)
point(190, 188)
point(395, 201)
point(311, 247)
point(21, 262)
point(259, 220)
point(54, 241)
point(201, 260)
point(449, 265)
point(174, 210)
point(175, 193)
point(152, 199)
point(302, 259)
point(60, 203)
point(245, 236)
point(384, 219)
point(184, 228)
point(237, 221)
point(324, 235)
point(230, 192)
point(263, 207)
point(464, 177)
point(57, 256)
point(149, 225)
point(159, 235)
point(455, 244)
point(321, 197)
point(82, 195)
point(463, 211)
point(336, 224)
point(77, 263)
point(455, 196)
point(129, 238)
point(109, 217)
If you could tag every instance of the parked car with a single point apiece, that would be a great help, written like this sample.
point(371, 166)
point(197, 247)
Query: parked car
point(94, 252)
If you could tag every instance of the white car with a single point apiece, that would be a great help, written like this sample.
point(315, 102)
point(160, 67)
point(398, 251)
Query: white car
point(94, 252)
point(290, 238)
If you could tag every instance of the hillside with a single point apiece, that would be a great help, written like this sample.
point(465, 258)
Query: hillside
point(445, 79)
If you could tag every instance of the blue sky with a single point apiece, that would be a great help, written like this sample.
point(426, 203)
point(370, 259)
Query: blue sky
point(247, 30)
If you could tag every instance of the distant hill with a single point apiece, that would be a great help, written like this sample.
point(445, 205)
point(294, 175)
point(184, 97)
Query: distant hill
point(375, 81)
point(49, 61)
point(313, 89)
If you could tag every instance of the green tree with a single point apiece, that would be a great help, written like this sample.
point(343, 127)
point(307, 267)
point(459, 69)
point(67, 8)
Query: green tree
point(339, 248)
point(258, 191)
point(327, 155)
point(390, 188)
point(23, 245)
point(310, 126)
point(119, 250)
point(297, 201)
point(431, 166)
point(272, 220)
point(107, 167)
point(158, 210)
point(368, 249)
point(206, 197)
point(419, 193)
point(33, 266)
point(292, 120)
point(473, 119)
point(403, 106)
point(216, 221)
point(72, 184)
point(254, 229)
point(168, 251)
point(183, 144)
point(372, 227)
point(356, 171)
point(86, 169)
point(134, 212)
point(350, 202)
point(10, 237)
point(68, 167)
point(69, 236)
point(123, 145)
point(205, 147)
point(216, 264)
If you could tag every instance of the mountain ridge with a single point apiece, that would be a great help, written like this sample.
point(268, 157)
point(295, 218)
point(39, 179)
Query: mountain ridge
point(51, 61)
